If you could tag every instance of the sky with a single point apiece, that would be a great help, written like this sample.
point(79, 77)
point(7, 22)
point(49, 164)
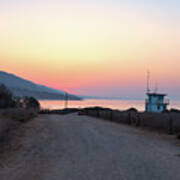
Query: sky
point(93, 47)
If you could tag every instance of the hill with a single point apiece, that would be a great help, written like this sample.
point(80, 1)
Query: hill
point(22, 87)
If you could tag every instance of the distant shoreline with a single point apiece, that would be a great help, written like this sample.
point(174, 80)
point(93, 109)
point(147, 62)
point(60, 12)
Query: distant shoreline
point(122, 104)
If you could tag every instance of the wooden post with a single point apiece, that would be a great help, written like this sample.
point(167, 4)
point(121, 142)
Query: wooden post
point(129, 118)
point(170, 126)
point(111, 115)
point(98, 113)
point(106, 114)
point(138, 120)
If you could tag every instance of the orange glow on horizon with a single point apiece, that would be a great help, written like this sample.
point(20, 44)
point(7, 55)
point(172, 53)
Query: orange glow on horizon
point(72, 46)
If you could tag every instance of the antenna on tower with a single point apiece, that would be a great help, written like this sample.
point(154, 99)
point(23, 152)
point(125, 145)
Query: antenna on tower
point(156, 88)
point(148, 82)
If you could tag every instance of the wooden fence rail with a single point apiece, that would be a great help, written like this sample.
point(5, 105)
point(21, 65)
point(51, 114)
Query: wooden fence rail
point(165, 122)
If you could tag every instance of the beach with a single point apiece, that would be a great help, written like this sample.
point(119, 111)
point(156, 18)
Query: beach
point(108, 103)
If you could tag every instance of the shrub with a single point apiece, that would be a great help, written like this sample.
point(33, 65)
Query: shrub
point(30, 102)
point(132, 110)
point(178, 136)
point(6, 98)
point(175, 110)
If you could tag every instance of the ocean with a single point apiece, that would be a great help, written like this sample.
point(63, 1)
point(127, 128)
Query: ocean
point(113, 104)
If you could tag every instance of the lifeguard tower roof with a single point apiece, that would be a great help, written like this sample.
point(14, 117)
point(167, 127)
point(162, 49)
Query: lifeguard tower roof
point(156, 94)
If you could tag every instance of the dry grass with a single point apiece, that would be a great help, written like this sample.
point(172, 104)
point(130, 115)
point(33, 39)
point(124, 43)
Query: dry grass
point(11, 119)
point(20, 114)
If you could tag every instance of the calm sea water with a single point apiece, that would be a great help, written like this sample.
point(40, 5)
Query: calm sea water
point(114, 104)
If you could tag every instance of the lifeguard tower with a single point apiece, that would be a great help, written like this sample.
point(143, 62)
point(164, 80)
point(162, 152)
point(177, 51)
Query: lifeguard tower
point(155, 102)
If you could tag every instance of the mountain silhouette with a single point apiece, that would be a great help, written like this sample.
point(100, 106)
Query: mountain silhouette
point(22, 87)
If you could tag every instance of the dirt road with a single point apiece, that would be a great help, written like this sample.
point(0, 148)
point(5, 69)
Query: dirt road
point(73, 147)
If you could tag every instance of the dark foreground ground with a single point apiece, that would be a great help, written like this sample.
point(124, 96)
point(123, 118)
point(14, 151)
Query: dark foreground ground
point(72, 147)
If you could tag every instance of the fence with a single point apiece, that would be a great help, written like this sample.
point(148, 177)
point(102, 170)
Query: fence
point(168, 122)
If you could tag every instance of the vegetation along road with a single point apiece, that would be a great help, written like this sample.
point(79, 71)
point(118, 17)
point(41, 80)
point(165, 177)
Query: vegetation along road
point(73, 147)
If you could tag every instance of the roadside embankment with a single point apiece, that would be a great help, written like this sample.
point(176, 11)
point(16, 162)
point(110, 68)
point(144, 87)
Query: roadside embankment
point(11, 119)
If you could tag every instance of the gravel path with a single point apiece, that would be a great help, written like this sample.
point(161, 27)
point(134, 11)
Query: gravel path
point(73, 147)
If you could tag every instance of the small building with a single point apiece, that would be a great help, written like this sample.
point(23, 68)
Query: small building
point(156, 102)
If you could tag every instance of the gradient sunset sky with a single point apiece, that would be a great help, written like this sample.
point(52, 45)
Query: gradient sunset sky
point(93, 47)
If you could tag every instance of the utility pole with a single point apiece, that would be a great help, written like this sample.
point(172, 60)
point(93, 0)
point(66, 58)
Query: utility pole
point(66, 101)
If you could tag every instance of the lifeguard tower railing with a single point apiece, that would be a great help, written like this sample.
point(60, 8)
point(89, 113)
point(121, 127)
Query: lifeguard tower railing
point(166, 102)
